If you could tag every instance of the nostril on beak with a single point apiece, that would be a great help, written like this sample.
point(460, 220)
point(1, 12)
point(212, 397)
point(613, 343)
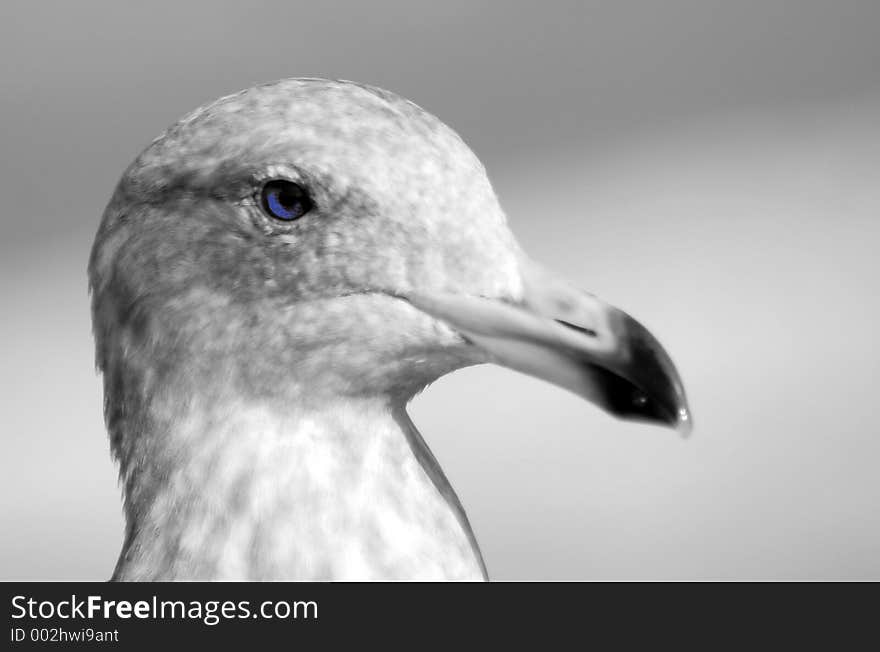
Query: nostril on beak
point(579, 329)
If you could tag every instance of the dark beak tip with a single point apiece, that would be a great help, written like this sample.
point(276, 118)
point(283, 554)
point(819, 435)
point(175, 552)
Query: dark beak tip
point(649, 370)
point(680, 420)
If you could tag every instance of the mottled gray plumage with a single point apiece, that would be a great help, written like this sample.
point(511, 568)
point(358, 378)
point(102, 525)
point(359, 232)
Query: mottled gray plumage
point(256, 371)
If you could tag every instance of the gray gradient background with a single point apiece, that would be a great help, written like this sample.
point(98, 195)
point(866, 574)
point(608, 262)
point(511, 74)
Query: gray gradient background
point(712, 167)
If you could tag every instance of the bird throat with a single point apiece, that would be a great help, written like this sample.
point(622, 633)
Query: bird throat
point(347, 490)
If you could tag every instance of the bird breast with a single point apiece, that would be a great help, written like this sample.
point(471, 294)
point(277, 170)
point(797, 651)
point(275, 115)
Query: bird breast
point(337, 493)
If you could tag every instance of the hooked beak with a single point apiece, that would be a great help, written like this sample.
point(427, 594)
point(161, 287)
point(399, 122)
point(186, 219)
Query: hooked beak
point(574, 340)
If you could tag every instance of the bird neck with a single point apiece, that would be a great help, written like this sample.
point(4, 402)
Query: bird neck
point(232, 490)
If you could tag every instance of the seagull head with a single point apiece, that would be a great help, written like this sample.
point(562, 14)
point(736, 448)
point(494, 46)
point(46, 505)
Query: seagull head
point(310, 239)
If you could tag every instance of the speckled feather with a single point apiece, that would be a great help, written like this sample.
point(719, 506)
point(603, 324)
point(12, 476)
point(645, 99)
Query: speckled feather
point(256, 372)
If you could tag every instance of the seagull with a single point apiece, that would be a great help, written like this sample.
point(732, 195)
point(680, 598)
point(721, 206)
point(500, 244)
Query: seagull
point(274, 278)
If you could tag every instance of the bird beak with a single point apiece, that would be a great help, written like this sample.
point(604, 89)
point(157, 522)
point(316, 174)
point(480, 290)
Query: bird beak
point(574, 340)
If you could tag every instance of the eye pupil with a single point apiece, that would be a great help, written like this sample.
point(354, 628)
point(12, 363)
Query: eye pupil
point(285, 200)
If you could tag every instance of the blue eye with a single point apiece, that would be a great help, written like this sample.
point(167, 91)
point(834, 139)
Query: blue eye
point(285, 200)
